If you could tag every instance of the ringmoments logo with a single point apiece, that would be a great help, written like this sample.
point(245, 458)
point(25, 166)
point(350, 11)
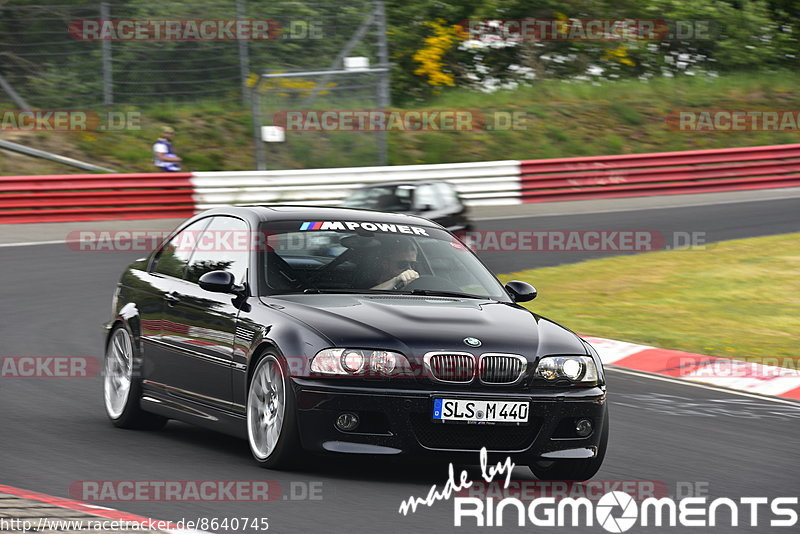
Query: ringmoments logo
point(605, 509)
point(615, 511)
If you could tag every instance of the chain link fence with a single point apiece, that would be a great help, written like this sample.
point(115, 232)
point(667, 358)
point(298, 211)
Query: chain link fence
point(324, 117)
point(50, 60)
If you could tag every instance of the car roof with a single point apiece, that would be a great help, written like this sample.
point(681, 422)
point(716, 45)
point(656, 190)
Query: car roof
point(402, 182)
point(264, 213)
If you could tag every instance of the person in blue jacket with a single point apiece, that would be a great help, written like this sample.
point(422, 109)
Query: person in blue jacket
point(164, 156)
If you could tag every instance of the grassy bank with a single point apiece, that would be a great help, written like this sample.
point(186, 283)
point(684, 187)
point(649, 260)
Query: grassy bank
point(562, 119)
point(735, 299)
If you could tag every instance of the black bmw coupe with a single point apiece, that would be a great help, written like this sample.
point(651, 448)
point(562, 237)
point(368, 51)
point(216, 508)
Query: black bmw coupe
point(345, 331)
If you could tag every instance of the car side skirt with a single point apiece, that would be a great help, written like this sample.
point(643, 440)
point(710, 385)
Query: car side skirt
point(194, 413)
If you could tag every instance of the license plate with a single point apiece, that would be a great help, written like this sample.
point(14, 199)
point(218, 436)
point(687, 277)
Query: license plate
point(479, 411)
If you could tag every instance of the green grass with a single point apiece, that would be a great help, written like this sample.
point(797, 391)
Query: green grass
point(562, 119)
point(735, 299)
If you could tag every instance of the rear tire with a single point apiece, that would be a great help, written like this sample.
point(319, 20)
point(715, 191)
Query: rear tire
point(272, 415)
point(576, 470)
point(122, 390)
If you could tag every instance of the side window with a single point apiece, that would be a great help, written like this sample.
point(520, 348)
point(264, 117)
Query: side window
point(174, 256)
point(447, 194)
point(224, 246)
point(379, 198)
point(425, 195)
point(403, 196)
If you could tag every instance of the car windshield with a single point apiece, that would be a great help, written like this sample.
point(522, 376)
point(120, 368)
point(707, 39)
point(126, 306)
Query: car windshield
point(367, 257)
point(384, 198)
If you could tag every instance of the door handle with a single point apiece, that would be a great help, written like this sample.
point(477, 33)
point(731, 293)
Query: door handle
point(172, 299)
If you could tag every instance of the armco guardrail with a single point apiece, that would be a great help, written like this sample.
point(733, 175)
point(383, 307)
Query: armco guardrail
point(697, 171)
point(493, 182)
point(86, 197)
point(141, 196)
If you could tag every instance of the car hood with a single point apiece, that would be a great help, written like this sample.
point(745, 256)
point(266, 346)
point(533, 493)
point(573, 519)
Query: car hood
point(418, 324)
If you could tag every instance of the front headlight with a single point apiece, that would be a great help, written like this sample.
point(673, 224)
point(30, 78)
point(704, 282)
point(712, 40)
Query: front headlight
point(360, 362)
point(575, 369)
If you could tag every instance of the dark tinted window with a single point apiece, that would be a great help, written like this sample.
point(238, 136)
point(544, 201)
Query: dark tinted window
point(385, 198)
point(359, 256)
point(223, 246)
point(174, 256)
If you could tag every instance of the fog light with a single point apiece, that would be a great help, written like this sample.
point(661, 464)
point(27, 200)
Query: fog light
point(347, 422)
point(583, 427)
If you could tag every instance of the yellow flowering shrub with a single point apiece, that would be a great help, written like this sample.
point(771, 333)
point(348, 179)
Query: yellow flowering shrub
point(619, 54)
point(430, 56)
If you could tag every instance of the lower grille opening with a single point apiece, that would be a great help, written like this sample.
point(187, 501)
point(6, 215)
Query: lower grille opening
point(473, 437)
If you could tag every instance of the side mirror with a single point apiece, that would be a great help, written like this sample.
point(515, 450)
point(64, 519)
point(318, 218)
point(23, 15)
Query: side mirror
point(521, 291)
point(218, 282)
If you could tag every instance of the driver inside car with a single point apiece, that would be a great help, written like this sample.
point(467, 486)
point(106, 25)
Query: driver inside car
point(397, 266)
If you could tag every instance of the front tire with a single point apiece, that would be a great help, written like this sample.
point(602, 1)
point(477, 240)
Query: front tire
point(272, 415)
point(122, 392)
point(574, 470)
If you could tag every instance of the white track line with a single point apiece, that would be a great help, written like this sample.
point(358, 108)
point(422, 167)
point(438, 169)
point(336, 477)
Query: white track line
point(32, 243)
point(652, 376)
point(645, 208)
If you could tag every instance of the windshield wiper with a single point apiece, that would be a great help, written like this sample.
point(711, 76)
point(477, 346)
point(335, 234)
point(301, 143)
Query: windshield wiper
point(438, 293)
point(426, 292)
point(333, 291)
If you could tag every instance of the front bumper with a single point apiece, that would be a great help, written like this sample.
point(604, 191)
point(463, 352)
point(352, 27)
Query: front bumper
point(398, 421)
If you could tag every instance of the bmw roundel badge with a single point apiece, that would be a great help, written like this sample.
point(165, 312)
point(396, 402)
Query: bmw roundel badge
point(472, 341)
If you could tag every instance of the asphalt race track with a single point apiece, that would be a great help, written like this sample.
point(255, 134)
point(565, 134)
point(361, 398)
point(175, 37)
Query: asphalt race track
point(712, 222)
point(54, 432)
